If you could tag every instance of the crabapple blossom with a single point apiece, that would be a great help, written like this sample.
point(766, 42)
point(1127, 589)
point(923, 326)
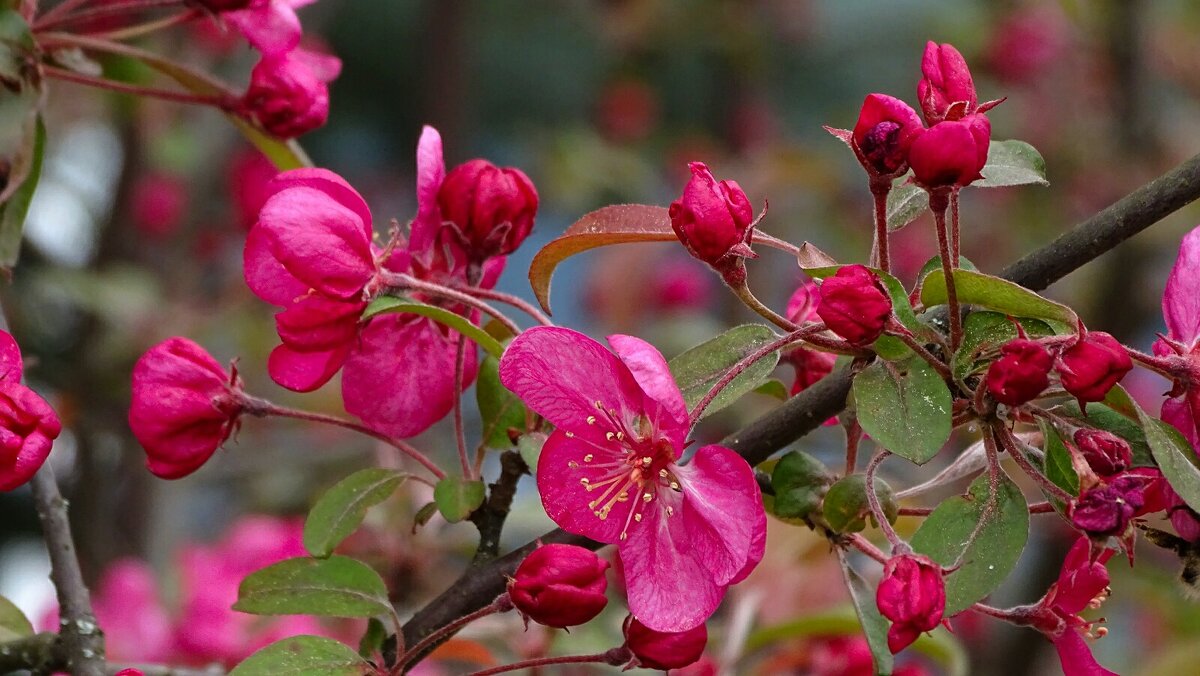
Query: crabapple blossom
point(951, 154)
point(1092, 365)
point(912, 594)
point(883, 134)
point(289, 93)
point(854, 304)
point(1021, 373)
point(492, 207)
point(664, 650)
point(560, 585)
point(714, 221)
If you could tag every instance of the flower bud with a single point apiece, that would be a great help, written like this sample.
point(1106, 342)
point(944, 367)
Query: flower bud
point(493, 208)
point(912, 594)
point(288, 95)
point(854, 304)
point(1021, 373)
point(885, 129)
point(184, 406)
point(1089, 368)
point(130, 672)
point(662, 650)
point(28, 426)
point(1106, 510)
point(560, 585)
point(713, 220)
point(951, 153)
point(1183, 518)
point(947, 82)
point(1106, 453)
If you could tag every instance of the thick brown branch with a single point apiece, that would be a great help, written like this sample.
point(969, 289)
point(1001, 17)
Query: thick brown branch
point(489, 518)
point(806, 411)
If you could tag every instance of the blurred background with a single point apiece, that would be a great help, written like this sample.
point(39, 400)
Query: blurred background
point(136, 234)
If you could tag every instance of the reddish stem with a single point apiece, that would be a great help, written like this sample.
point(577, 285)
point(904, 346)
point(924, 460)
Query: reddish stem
point(879, 191)
point(954, 237)
point(460, 434)
point(611, 657)
point(403, 281)
point(895, 328)
point(747, 297)
point(865, 546)
point(217, 101)
point(500, 296)
point(110, 8)
point(746, 362)
point(500, 605)
point(1010, 444)
point(59, 10)
point(938, 201)
point(138, 30)
point(876, 507)
point(854, 435)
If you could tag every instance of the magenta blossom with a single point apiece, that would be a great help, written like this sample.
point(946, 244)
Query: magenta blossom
point(28, 426)
point(288, 94)
point(611, 472)
point(947, 92)
point(270, 26)
point(1180, 348)
point(715, 222)
point(810, 365)
point(885, 129)
point(951, 154)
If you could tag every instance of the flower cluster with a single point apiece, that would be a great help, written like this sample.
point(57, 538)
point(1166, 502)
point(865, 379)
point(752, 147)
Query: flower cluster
point(1088, 368)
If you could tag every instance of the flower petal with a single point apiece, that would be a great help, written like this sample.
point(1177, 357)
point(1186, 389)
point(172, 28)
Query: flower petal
point(650, 370)
point(1181, 298)
point(10, 358)
point(431, 171)
point(270, 27)
point(305, 371)
point(722, 510)
point(400, 378)
point(562, 374)
point(1179, 413)
point(265, 275)
point(562, 466)
point(1076, 656)
point(327, 182)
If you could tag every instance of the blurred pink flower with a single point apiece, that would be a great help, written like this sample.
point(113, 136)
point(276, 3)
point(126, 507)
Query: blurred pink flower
point(270, 26)
point(158, 202)
point(250, 174)
point(288, 93)
point(1181, 345)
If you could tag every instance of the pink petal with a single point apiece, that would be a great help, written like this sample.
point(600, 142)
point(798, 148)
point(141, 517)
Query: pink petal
point(561, 466)
point(1081, 579)
point(265, 275)
point(1181, 298)
point(758, 547)
point(650, 370)
point(325, 67)
point(10, 358)
point(1179, 413)
point(327, 182)
point(722, 510)
point(305, 371)
point(400, 378)
point(561, 374)
point(1076, 656)
point(271, 27)
point(431, 171)
point(668, 586)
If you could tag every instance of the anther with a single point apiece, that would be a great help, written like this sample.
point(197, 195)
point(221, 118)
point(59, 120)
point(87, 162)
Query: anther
point(637, 517)
point(591, 420)
point(573, 465)
point(609, 435)
point(647, 460)
point(647, 497)
point(588, 457)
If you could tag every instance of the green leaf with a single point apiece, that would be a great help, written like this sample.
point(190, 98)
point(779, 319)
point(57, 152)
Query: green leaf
point(372, 639)
point(905, 203)
point(499, 409)
point(13, 623)
point(530, 448)
point(799, 481)
point(335, 587)
point(17, 46)
point(1175, 457)
point(13, 212)
point(698, 369)
point(424, 515)
point(1059, 468)
point(994, 293)
point(456, 497)
point(341, 509)
point(904, 407)
point(993, 554)
point(984, 330)
point(617, 224)
point(1010, 163)
point(846, 508)
point(440, 315)
point(773, 388)
point(1099, 415)
point(875, 627)
point(304, 656)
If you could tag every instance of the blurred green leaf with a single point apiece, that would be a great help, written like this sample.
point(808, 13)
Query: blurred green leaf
point(905, 203)
point(304, 656)
point(698, 369)
point(1175, 457)
point(441, 315)
point(424, 515)
point(994, 293)
point(874, 626)
point(773, 388)
point(530, 448)
point(904, 407)
point(995, 550)
point(13, 623)
point(341, 509)
point(334, 587)
point(372, 639)
point(499, 409)
point(1011, 163)
point(1059, 468)
point(13, 212)
point(456, 497)
point(846, 508)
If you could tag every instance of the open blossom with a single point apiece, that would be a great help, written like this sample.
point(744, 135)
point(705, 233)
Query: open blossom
point(185, 405)
point(714, 220)
point(1082, 583)
point(611, 472)
point(912, 594)
point(885, 129)
point(560, 585)
point(1181, 346)
point(1107, 509)
point(28, 426)
point(288, 93)
point(492, 207)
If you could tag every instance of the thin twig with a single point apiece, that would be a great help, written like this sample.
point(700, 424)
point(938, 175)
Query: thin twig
point(500, 296)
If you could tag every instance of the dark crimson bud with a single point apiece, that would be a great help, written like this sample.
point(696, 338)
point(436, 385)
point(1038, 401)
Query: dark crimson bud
point(912, 594)
point(493, 208)
point(951, 153)
point(1106, 453)
point(854, 304)
point(1021, 373)
point(714, 221)
point(885, 129)
point(1089, 368)
point(662, 650)
point(1106, 510)
point(560, 585)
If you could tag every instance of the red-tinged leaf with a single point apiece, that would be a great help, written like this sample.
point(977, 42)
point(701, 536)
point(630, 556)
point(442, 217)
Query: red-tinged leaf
point(617, 224)
point(843, 135)
point(463, 650)
point(811, 258)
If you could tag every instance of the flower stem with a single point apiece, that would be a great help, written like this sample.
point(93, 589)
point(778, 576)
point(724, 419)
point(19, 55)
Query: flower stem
point(460, 434)
point(760, 237)
point(500, 296)
point(216, 101)
point(743, 292)
point(59, 10)
point(111, 8)
point(865, 546)
point(989, 507)
point(854, 435)
point(898, 330)
point(938, 201)
point(954, 238)
point(1012, 446)
point(1164, 366)
point(873, 501)
point(879, 191)
point(402, 281)
point(746, 362)
point(608, 657)
point(138, 30)
point(499, 605)
point(263, 408)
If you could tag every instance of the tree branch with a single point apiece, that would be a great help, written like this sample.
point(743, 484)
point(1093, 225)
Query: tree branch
point(806, 411)
point(490, 516)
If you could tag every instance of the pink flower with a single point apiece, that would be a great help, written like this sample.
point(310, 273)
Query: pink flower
point(810, 365)
point(714, 220)
point(1181, 346)
point(1082, 583)
point(158, 203)
point(1107, 509)
point(947, 90)
point(854, 304)
point(28, 426)
point(560, 585)
point(678, 285)
point(129, 608)
point(1021, 373)
point(664, 650)
point(885, 129)
point(250, 174)
point(1106, 453)
point(1091, 366)
point(611, 472)
point(951, 153)
point(288, 95)
point(493, 208)
point(185, 405)
point(270, 26)
point(912, 594)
